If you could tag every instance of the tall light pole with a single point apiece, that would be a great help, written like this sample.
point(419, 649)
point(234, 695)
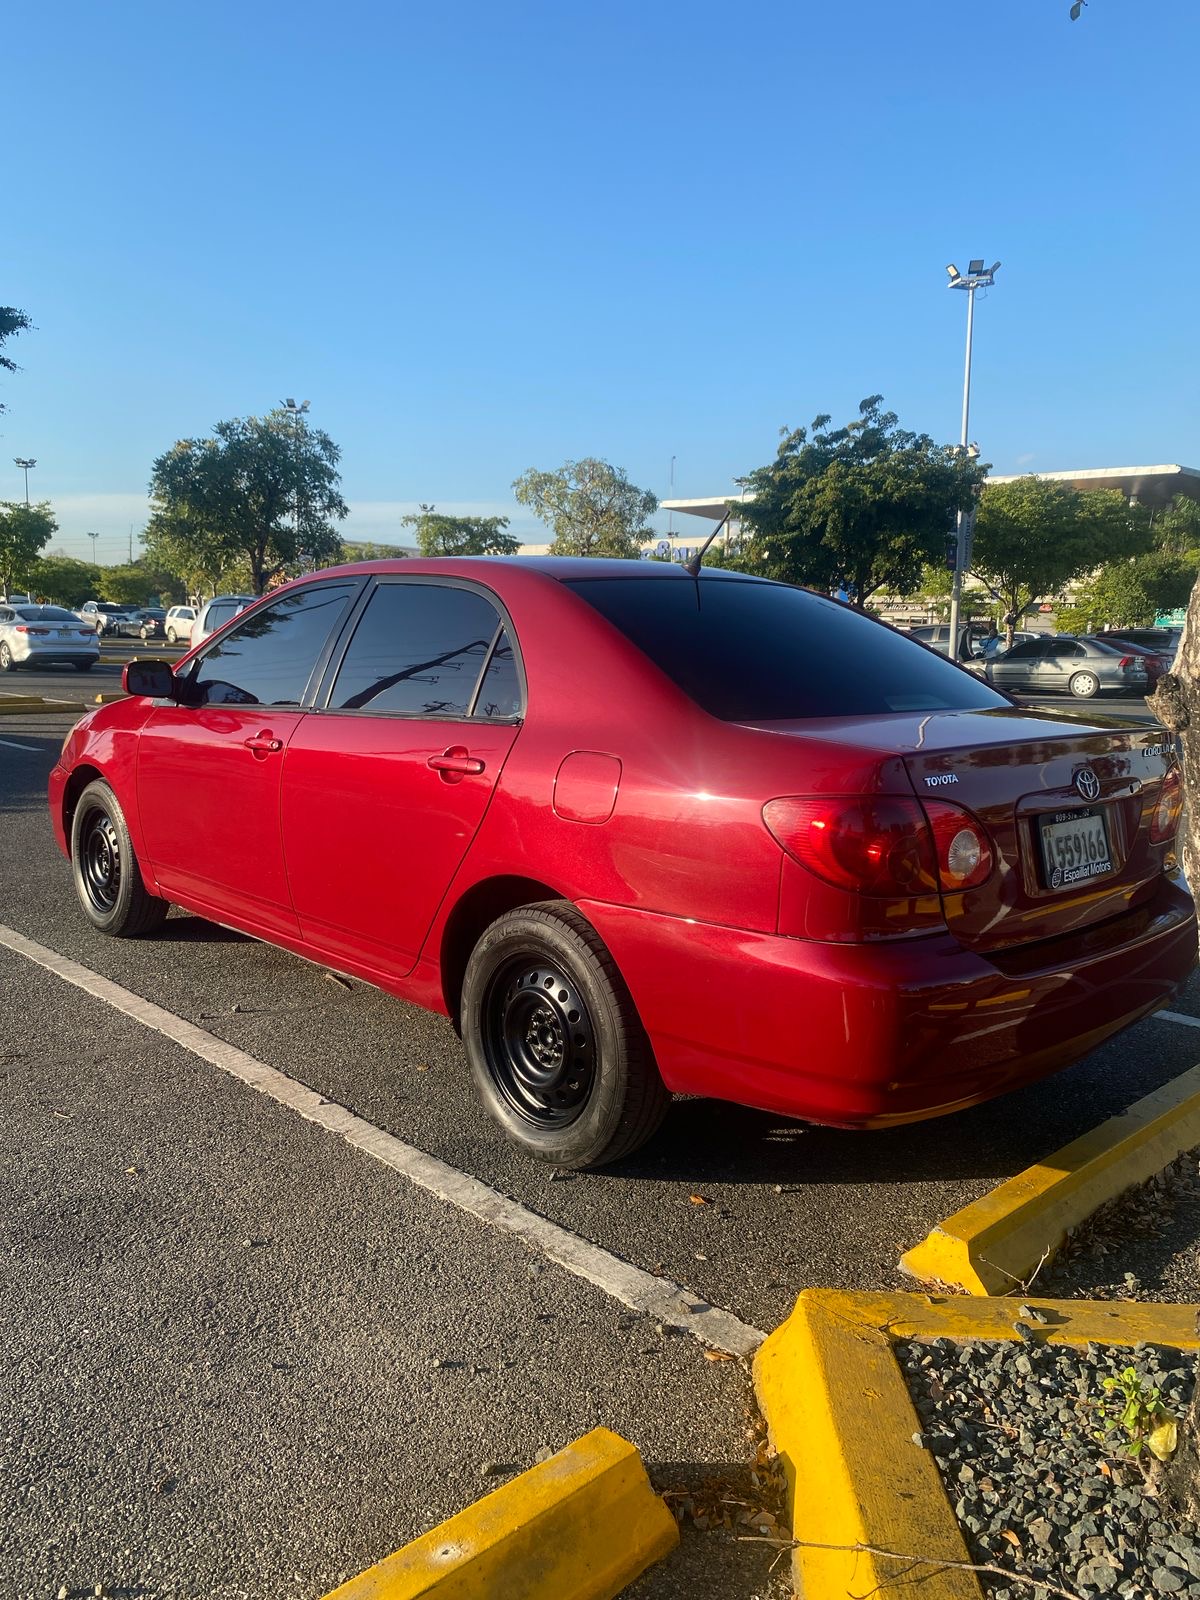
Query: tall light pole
point(94, 537)
point(975, 277)
point(25, 462)
point(298, 414)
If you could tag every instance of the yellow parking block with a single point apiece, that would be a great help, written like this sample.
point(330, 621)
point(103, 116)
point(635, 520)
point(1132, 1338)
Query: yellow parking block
point(581, 1526)
point(995, 1245)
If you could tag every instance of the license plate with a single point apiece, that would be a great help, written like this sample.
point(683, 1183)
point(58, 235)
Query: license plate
point(1074, 847)
point(64, 633)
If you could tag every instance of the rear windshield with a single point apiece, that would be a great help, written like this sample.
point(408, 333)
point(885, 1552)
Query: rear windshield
point(758, 652)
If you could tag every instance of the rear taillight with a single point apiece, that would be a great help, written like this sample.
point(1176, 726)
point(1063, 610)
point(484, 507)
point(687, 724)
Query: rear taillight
point(870, 844)
point(882, 845)
point(34, 633)
point(1165, 821)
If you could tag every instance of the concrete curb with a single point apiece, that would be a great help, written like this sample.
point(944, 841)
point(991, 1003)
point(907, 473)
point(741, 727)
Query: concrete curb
point(580, 1526)
point(35, 706)
point(996, 1244)
point(840, 1417)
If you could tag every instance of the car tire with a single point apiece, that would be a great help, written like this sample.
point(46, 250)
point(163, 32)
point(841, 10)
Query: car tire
point(83, 666)
point(7, 663)
point(170, 635)
point(1084, 685)
point(107, 877)
point(557, 1051)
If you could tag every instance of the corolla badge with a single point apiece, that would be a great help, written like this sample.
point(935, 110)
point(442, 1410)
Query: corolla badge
point(1088, 784)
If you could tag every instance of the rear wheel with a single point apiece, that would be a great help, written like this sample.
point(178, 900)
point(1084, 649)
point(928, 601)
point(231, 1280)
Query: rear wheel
point(170, 635)
point(7, 663)
point(1084, 685)
point(108, 879)
point(556, 1048)
point(83, 666)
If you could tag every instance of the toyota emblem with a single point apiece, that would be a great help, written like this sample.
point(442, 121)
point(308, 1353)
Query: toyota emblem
point(1088, 784)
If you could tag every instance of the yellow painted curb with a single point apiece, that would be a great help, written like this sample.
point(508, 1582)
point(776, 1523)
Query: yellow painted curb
point(840, 1417)
point(996, 1244)
point(580, 1526)
point(35, 708)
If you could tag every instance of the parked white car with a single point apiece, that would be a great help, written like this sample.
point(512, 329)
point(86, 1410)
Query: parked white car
point(104, 616)
point(179, 623)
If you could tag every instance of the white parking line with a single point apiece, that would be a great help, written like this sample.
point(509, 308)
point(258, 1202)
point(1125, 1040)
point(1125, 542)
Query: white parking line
point(12, 745)
point(669, 1303)
point(1178, 1016)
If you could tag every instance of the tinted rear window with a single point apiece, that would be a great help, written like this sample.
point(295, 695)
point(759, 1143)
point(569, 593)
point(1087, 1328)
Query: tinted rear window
point(757, 652)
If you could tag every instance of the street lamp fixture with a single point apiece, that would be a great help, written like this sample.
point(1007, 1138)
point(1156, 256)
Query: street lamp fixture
point(297, 414)
point(975, 277)
point(25, 462)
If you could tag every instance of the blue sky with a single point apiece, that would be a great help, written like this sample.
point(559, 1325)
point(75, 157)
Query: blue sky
point(492, 236)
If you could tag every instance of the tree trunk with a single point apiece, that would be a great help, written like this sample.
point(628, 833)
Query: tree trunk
point(1176, 704)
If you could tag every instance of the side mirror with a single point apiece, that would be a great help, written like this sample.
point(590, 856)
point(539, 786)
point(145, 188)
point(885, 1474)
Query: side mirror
point(154, 679)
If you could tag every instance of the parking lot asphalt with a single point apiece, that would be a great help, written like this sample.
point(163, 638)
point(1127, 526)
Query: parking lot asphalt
point(362, 1271)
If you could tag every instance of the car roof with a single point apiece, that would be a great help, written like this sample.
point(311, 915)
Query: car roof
point(566, 569)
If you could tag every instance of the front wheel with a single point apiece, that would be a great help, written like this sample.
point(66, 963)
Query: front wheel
point(170, 635)
point(556, 1048)
point(7, 663)
point(108, 879)
point(1084, 685)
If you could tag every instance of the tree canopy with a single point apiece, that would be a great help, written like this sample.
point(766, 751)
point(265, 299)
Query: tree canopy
point(262, 491)
point(1130, 594)
point(63, 580)
point(24, 530)
point(866, 505)
point(441, 535)
point(137, 582)
point(12, 322)
point(1033, 536)
point(592, 507)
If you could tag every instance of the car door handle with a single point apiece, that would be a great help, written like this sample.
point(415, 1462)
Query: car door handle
point(263, 744)
point(458, 763)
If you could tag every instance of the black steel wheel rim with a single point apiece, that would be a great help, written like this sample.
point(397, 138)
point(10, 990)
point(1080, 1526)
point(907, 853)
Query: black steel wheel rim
point(539, 1042)
point(100, 860)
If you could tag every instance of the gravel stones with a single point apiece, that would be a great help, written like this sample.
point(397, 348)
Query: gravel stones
point(1010, 1426)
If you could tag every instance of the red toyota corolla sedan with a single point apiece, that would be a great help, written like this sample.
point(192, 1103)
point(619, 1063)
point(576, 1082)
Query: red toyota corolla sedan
point(640, 833)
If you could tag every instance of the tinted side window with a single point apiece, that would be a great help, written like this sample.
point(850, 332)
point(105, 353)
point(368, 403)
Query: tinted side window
point(417, 651)
point(500, 693)
point(268, 658)
point(1025, 650)
point(219, 615)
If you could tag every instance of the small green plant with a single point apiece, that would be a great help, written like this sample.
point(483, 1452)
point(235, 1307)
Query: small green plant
point(1136, 1410)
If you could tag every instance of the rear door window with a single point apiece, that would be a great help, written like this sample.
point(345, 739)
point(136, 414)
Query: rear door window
point(747, 650)
point(420, 649)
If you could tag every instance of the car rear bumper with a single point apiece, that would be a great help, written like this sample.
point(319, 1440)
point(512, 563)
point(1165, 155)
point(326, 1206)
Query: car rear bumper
point(872, 1035)
point(59, 655)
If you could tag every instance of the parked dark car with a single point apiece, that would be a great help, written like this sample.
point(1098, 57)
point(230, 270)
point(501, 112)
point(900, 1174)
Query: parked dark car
point(151, 622)
point(1156, 662)
point(1062, 663)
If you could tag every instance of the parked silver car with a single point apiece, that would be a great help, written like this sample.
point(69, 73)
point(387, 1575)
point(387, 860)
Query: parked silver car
point(44, 635)
point(1061, 663)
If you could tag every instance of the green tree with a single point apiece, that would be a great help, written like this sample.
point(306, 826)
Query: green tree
point(442, 535)
point(592, 507)
point(63, 580)
point(368, 550)
point(1130, 594)
point(12, 322)
point(134, 584)
point(262, 490)
point(1033, 536)
point(1176, 530)
point(23, 532)
point(867, 505)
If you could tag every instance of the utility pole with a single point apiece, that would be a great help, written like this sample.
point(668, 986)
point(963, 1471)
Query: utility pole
point(975, 277)
point(25, 462)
